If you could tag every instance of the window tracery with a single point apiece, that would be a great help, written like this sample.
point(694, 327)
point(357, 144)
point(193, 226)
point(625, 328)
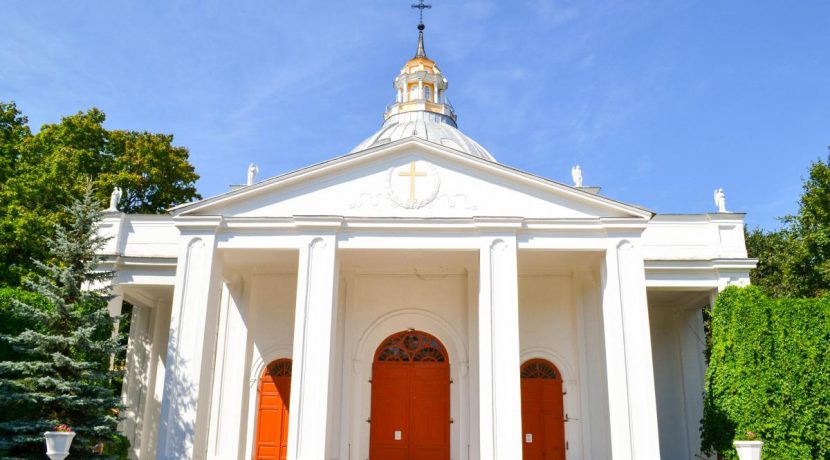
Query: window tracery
point(411, 346)
point(279, 368)
point(539, 369)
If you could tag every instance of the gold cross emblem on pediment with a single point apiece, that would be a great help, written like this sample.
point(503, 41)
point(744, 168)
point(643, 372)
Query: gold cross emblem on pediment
point(412, 174)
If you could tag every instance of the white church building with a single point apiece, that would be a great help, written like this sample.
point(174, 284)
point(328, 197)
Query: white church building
point(416, 299)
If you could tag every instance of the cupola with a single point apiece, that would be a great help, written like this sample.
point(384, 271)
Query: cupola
point(421, 108)
point(421, 87)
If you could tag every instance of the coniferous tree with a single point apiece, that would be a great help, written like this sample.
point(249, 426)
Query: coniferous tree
point(62, 372)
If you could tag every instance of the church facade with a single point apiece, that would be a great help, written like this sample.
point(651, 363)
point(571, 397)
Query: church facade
point(415, 299)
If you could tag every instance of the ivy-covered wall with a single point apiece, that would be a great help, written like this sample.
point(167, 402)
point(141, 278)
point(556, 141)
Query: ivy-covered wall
point(769, 373)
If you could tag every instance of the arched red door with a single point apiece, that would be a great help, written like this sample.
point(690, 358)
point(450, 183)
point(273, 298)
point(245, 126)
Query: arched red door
point(410, 418)
point(543, 412)
point(272, 415)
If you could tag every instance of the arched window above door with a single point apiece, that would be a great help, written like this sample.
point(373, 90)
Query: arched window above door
point(411, 346)
point(539, 369)
point(279, 368)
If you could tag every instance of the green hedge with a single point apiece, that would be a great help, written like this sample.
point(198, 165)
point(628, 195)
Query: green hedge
point(769, 373)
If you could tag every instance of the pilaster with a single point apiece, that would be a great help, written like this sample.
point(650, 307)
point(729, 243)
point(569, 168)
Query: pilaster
point(184, 413)
point(133, 391)
point(630, 373)
point(500, 418)
point(229, 375)
point(314, 322)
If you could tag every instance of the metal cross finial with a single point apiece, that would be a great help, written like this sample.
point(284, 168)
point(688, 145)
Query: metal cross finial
point(421, 7)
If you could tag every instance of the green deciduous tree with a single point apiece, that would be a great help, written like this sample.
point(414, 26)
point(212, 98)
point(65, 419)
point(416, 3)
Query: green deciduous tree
point(795, 260)
point(62, 373)
point(44, 171)
point(772, 249)
point(153, 173)
point(810, 264)
point(14, 130)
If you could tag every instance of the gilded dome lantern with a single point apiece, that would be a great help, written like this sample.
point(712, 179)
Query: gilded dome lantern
point(421, 108)
point(420, 86)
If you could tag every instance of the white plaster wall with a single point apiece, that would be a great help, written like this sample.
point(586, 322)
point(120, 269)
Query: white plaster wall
point(268, 316)
point(596, 423)
point(548, 324)
point(694, 237)
point(678, 344)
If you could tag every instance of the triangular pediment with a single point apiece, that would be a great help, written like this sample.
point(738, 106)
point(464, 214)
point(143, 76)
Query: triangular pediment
point(411, 178)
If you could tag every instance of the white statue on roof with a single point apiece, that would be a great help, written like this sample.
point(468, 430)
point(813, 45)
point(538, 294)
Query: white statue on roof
point(115, 197)
point(720, 200)
point(576, 174)
point(253, 170)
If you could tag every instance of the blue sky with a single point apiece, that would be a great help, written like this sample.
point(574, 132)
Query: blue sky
point(661, 102)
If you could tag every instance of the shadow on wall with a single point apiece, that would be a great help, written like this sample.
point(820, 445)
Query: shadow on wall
point(179, 428)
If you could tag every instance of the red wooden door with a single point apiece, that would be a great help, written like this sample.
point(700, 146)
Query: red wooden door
point(543, 412)
point(410, 417)
point(272, 415)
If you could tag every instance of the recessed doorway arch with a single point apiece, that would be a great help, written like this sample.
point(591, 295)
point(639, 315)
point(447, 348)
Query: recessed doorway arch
point(410, 400)
point(363, 354)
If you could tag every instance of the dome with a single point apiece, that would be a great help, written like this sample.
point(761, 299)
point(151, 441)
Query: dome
point(422, 110)
point(429, 126)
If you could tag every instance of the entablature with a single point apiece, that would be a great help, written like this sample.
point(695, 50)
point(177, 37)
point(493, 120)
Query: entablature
point(683, 238)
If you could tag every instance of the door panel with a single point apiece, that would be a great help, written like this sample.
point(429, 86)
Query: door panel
point(410, 407)
point(390, 411)
point(532, 431)
point(553, 416)
point(430, 405)
point(272, 416)
point(543, 415)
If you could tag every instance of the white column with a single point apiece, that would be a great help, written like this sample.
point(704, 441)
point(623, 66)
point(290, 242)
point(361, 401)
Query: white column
point(420, 89)
point(115, 304)
point(230, 376)
point(114, 307)
point(500, 417)
point(193, 322)
point(135, 375)
point(631, 398)
point(313, 329)
point(155, 388)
